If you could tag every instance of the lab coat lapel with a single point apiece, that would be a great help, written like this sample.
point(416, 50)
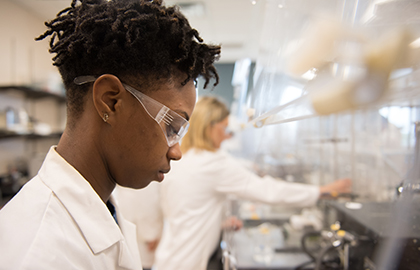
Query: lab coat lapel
point(86, 207)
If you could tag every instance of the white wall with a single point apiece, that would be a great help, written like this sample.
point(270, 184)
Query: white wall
point(22, 59)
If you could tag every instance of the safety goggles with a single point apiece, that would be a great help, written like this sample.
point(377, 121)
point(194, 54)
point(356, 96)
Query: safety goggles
point(173, 125)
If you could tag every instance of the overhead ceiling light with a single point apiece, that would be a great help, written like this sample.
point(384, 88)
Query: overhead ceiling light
point(415, 44)
point(370, 12)
point(232, 45)
point(192, 9)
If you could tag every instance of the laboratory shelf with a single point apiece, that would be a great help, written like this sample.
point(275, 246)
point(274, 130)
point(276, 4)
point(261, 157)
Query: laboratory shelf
point(32, 92)
point(6, 134)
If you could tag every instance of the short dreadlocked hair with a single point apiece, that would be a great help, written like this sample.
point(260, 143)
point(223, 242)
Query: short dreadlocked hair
point(129, 39)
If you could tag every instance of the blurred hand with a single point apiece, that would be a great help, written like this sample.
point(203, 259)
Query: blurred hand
point(336, 188)
point(232, 223)
point(152, 245)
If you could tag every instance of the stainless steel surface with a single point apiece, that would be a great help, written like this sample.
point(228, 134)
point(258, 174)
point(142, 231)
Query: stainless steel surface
point(258, 248)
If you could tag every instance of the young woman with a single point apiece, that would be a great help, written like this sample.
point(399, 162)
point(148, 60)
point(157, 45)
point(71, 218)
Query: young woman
point(196, 188)
point(129, 68)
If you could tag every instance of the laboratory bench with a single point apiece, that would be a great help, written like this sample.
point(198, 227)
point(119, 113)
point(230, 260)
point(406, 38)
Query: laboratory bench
point(266, 247)
point(362, 229)
point(266, 241)
point(375, 224)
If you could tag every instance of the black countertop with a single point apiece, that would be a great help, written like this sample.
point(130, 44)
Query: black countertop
point(379, 217)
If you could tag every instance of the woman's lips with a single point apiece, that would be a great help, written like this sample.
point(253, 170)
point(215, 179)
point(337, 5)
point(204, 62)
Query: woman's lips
point(161, 176)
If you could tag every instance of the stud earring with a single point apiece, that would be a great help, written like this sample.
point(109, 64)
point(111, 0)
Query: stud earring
point(105, 117)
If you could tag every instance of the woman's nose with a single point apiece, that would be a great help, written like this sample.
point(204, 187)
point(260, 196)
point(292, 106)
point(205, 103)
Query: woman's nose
point(174, 152)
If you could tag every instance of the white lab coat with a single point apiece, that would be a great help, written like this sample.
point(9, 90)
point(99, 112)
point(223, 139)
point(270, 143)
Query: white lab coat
point(57, 221)
point(142, 207)
point(193, 196)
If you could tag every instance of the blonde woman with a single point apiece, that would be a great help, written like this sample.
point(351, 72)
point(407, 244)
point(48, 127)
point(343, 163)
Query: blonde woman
point(195, 190)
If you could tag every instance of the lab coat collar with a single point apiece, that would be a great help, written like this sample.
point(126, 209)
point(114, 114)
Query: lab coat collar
point(87, 209)
point(127, 244)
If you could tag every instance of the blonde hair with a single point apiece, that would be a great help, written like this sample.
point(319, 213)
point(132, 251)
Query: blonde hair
point(208, 111)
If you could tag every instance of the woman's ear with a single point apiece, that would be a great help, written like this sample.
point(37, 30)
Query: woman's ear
point(106, 94)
